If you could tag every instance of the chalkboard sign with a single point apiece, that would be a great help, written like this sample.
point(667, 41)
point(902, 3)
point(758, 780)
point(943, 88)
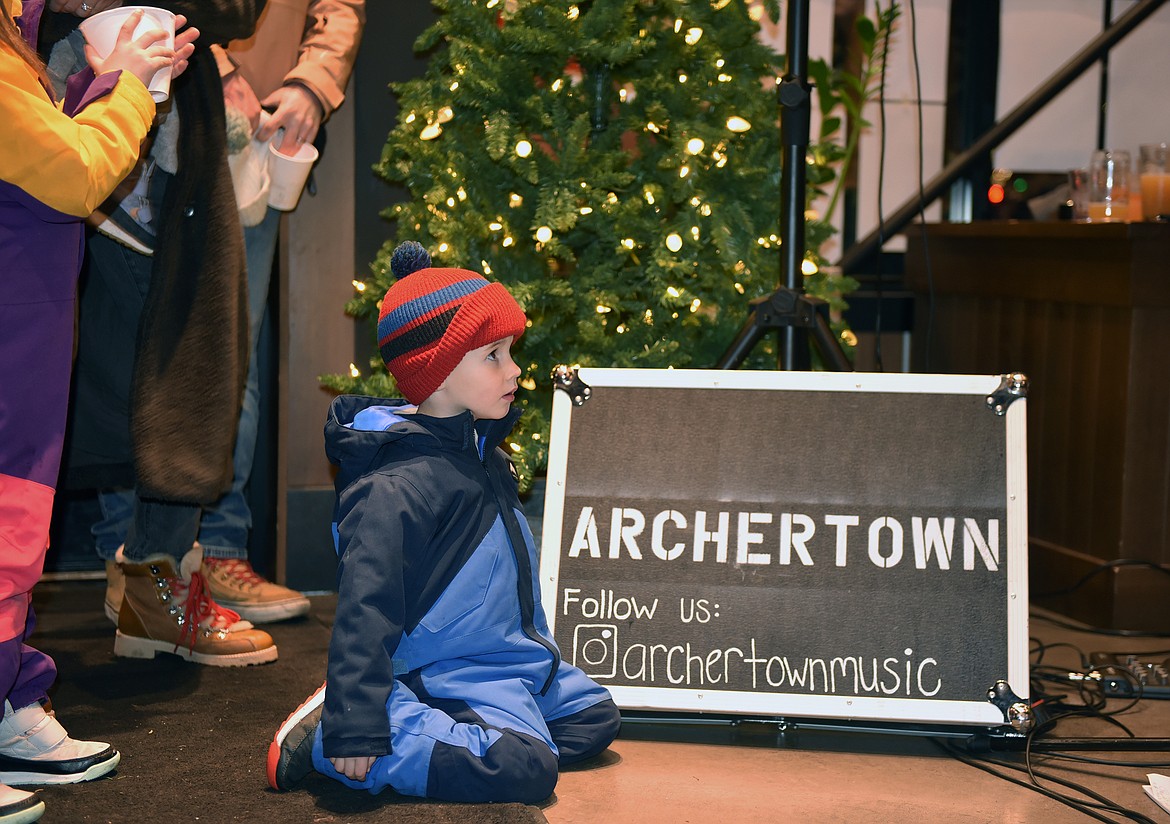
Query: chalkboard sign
point(790, 544)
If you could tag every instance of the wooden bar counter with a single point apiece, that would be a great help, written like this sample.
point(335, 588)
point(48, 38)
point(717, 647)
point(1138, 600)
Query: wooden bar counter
point(1084, 311)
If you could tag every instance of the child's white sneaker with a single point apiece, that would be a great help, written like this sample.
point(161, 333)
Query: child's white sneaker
point(18, 806)
point(36, 749)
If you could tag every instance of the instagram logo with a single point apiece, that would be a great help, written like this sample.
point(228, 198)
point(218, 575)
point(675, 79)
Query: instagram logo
point(595, 649)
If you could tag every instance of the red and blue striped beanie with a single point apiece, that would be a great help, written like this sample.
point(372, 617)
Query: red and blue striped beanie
point(432, 317)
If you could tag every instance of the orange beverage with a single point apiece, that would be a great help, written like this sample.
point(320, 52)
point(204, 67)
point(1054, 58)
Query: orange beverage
point(1108, 212)
point(1155, 194)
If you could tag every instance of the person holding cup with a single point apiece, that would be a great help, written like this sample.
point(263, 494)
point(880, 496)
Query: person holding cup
point(296, 66)
point(57, 163)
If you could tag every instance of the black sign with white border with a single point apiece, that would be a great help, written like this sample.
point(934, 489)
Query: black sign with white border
point(839, 545)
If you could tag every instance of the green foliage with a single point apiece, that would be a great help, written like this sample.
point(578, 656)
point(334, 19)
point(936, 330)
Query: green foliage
point(586, 155)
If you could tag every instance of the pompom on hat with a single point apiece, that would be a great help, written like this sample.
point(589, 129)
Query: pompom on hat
point(432, 317)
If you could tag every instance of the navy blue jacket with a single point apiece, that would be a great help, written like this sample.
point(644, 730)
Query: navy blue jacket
point(417, 497)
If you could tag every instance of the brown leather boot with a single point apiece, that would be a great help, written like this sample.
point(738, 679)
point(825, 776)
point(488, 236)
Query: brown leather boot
point(168, 611)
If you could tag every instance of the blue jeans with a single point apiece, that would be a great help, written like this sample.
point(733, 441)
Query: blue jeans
point(146, 527)
point(223, 530)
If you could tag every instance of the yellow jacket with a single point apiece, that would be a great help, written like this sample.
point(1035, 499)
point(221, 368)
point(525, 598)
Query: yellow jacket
point(68, 163)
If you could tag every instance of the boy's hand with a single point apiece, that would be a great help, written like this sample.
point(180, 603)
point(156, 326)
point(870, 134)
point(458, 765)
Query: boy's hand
point(354, 767)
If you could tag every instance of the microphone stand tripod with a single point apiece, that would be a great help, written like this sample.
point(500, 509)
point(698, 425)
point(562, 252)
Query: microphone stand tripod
point(788, 308)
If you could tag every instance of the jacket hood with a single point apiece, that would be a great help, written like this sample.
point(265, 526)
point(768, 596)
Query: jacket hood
point(361, 431)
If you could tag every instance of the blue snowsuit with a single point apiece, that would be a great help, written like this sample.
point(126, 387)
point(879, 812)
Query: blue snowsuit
point(441, 661)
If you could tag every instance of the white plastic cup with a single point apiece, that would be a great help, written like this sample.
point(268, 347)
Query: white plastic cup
point(288, 174)
point(101, 32)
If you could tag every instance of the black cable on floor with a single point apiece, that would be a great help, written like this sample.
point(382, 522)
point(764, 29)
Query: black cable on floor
point(1088, 808)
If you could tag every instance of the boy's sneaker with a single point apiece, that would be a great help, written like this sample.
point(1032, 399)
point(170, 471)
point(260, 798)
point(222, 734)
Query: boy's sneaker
point(35, 749)
point(235, 585)
point(290, 755)
point(164, 610)
point(18, 806)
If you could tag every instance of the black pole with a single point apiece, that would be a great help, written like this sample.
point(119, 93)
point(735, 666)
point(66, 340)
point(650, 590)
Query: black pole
point(1064, 76)
point(1103, 86)
point(795, 125)
point(800, 319)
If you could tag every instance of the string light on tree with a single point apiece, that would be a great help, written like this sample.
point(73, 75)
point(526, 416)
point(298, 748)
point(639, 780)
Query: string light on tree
point(558, 139)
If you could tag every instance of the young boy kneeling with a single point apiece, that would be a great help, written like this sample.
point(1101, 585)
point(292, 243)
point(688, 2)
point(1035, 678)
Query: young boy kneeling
point(443, 680)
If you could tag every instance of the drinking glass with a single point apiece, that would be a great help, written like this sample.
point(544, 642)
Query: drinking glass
point(1109, 186)
point(1155, 181)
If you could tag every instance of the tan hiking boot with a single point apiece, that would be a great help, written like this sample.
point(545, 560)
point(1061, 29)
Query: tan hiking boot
point(235, 585)
point(164, 610)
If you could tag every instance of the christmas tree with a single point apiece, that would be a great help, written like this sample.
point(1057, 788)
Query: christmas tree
point(616, 163)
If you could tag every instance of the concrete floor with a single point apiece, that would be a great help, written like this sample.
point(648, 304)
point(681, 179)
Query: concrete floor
point(719, 774)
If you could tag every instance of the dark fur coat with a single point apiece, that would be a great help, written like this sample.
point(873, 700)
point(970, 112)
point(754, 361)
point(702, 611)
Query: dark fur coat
point(159, 407)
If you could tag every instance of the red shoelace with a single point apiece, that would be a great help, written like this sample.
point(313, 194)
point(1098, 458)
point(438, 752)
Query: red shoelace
point(239, 568)
point(199, 609)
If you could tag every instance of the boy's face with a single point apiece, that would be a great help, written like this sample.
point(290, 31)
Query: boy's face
point(484, 382)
